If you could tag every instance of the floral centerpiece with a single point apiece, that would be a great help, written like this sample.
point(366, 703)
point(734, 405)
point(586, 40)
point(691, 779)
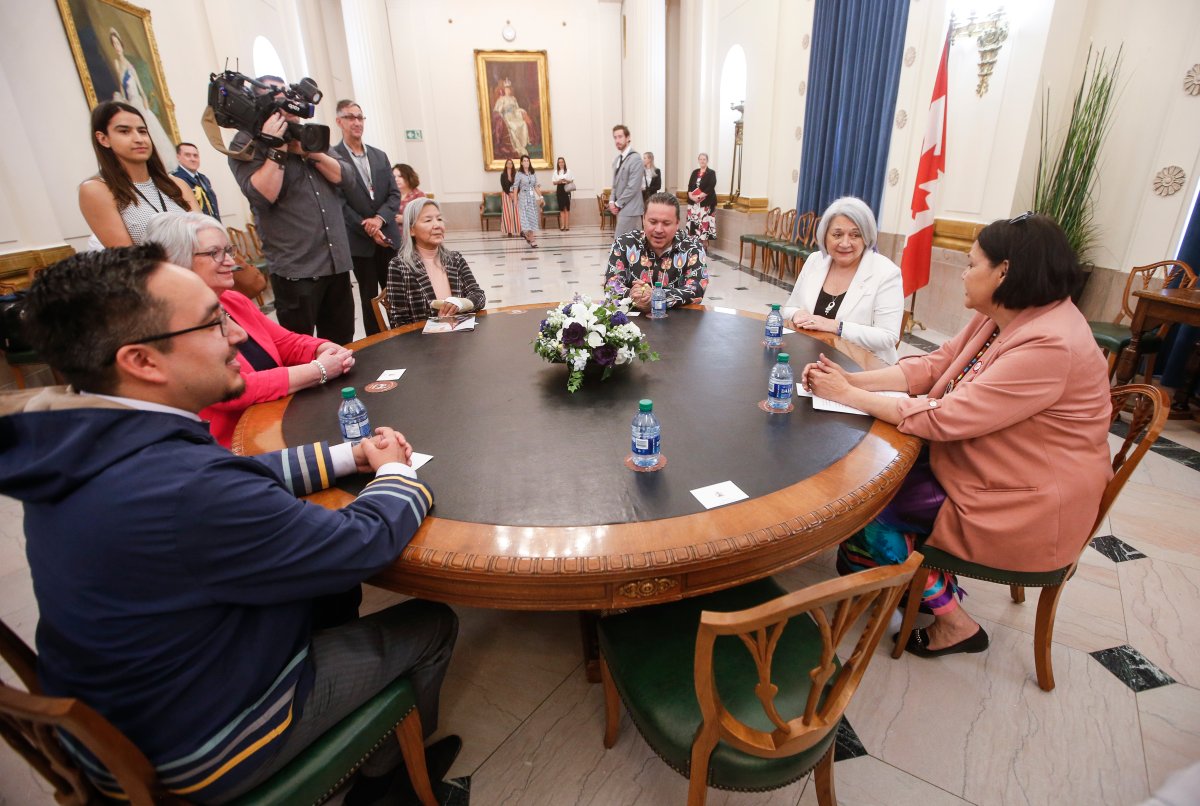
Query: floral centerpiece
point(582, 332)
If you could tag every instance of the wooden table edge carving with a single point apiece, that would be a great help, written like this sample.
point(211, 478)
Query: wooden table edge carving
point(643, 563)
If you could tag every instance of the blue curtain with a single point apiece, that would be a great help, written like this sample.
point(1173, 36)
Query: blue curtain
point(853, 77)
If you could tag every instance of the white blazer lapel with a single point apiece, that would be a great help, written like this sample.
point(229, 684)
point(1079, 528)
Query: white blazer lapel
point(862, 281)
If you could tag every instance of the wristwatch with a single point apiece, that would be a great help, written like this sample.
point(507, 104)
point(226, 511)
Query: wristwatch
point(276, 156)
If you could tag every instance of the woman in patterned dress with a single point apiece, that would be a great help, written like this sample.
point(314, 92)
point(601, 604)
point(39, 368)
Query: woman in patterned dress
point(529, 200)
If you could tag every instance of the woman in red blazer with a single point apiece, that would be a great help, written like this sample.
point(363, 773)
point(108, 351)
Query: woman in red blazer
point(275, 361)
point(1015, 413)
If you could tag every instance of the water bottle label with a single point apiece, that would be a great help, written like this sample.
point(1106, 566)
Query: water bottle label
point(774, 331)
point(779, 390)
point(645, 446)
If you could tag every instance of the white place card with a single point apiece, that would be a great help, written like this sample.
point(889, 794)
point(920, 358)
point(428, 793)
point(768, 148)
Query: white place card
point(822, 404)
point(718, 495)
point(722, 309)
point(419, 460)
point(390, 375)
point(462, 321)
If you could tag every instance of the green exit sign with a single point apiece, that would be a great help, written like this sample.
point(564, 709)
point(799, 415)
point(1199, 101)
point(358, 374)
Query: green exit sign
point(414, 135)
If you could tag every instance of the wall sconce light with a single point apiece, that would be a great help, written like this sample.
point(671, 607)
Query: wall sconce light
point(991, 33)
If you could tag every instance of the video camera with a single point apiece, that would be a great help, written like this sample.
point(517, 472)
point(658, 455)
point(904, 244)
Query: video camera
point(240, 102)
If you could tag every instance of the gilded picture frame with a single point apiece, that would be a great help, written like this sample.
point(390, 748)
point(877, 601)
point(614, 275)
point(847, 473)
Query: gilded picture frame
point(117, 59)
point(514, 107)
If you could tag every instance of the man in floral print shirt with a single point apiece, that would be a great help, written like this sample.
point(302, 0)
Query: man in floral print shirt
point(660, 252)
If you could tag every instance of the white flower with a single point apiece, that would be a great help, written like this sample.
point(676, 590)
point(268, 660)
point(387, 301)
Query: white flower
point(624, 355)
point(579, 359)
point(595, 339)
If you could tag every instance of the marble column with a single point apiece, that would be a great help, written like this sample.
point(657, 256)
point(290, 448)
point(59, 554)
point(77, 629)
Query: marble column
point(373, 74)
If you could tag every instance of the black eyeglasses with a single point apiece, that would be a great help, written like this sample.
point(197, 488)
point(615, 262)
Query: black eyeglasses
point(359, 118)
point(220, 321)
point(1025, 216)
point(217, 254)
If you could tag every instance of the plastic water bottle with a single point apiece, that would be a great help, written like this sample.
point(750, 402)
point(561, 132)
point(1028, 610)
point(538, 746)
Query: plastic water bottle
point(658, 302)
point(646, 431)
point(774, 331)
point(352, 417)
point(779, 387)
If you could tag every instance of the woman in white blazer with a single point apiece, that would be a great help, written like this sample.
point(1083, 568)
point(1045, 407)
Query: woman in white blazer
point(847, 288)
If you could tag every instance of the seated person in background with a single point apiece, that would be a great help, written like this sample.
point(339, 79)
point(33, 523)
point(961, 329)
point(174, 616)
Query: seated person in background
point(275, 362)
point(847, 287)
point(175, 580)
point(1016, 418)
point(424, 272)
point(660, 252)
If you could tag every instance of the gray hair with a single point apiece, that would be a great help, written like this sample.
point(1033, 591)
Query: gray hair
point(179, 234)
point(407, 250)
point(667, 199)
point(858, 212)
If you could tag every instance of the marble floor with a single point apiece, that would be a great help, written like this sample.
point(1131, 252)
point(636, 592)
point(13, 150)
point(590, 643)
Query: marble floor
point(964, 729)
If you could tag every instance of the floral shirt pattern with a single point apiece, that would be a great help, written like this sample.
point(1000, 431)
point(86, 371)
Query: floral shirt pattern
point(682, 268)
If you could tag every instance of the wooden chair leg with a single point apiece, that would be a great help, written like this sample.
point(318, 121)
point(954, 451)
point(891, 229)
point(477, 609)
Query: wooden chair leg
point(612, 705)
point(1018, 593)
point(412, 747)
point(753, 255)
point(916, 589)
point(826, 796)
point(741, 250)
point(18, 375)
point(706, 742)
point(1112, 361)
point(1043, 635)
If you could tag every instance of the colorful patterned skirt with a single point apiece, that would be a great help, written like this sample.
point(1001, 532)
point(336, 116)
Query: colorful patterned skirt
point(901, 527)
point(509, 217)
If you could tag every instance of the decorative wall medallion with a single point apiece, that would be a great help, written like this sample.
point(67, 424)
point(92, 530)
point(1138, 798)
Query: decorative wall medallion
point(910, 56)
point(1169, 180)
point(893, 177)
point(1191, 80)
point(901, 119)
point(647, 588)
point(805, 41)
point(803, 87)
point(799, 132)
point(795, 175)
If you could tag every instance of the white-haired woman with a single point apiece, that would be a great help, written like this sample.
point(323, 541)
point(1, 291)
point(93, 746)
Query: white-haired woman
point(847, 287)
point(275, 362)
point(424, 272)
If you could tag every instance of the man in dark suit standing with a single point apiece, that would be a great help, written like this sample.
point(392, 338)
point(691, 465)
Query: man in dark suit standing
point(372, 201)
point(189, 171)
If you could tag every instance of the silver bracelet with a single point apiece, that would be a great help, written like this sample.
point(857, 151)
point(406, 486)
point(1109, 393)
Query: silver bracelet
point(324, 374)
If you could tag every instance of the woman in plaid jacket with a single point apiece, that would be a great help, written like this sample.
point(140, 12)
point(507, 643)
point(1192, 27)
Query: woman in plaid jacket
point(424, 273)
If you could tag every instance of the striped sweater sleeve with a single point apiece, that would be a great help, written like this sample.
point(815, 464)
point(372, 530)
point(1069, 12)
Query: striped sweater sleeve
point(304, 469)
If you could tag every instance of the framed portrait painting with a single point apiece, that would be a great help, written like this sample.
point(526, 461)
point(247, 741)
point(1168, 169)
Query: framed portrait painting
point(117, 59)
point(514, 107)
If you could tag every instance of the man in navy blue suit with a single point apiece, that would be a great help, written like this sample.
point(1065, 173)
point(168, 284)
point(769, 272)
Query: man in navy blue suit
point(189, 171)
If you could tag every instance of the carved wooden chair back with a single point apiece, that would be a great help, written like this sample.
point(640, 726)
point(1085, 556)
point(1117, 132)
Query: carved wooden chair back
point(379, 304)
point(774, 216)
point(253, 242)
point(836, 606)
point(1142, 278)
point(806, 227)
point(29, 722)
point(786, 224)
point(241, 242)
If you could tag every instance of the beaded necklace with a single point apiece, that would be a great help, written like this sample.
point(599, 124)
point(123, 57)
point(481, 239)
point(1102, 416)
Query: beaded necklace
point(974, 362)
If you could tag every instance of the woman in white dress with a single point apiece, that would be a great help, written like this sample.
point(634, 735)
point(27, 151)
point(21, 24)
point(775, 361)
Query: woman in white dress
point(129, 90)
point(847, 287)
point(516, 119)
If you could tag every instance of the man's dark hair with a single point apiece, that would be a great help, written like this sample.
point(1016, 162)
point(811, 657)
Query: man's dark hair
point(179, 146)
point(1042, 267)
point(82, 309)
point(665, 198)
point(344, 103)
point(621, 127)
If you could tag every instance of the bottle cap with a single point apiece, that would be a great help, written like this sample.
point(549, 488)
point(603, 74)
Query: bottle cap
point(347, 392)
point(784, 358)
point(645, 405)
point(658, 285)
point(774, 306)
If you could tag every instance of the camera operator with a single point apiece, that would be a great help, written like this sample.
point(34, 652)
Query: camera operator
point(294, 196)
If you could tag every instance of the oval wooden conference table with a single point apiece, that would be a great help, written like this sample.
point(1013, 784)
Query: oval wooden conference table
point(534, 507)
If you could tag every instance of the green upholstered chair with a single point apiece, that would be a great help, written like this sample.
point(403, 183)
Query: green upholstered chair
point(489, 210)
point(1149, 408)
point(29, 720)
point(773, 246)
point(607, 219)
point(1114, 336)
point(790, 256)
point(550, 208)
point(759, 240)
point(753, 714)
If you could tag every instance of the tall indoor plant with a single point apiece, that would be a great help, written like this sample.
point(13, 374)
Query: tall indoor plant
point(1066, 173)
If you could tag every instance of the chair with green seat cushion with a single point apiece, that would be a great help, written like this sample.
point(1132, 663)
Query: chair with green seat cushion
point(1148, 408)
point(490, 208)
point(550, 208)
point(29, 722)
point(1115, 336)
point(772, 248)
point(757, 240)
point(742, 689)
point(796, 251)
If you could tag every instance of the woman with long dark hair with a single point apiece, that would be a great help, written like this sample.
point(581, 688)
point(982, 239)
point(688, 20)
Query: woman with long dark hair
point(529, 200)
point(132, 184)
point(510, 218)
point(563, 179)
point(409, 184)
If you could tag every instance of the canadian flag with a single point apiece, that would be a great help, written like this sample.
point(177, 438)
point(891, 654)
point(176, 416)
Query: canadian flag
point(918, 249)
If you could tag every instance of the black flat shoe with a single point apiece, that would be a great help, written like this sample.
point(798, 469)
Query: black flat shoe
point(918, 644)
point(395, 787)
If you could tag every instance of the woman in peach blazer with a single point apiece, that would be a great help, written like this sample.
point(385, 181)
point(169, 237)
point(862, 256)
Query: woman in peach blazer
point(1016, 414)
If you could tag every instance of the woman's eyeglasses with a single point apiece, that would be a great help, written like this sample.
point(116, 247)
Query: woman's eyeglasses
point(217, 254)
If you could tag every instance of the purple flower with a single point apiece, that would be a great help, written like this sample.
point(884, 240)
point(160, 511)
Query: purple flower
point(604, 355)
point(567, 309)
point(574, 334)
point(542, 325)
point(618, 318)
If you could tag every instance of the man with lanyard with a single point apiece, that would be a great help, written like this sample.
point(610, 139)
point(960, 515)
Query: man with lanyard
point(660, 253)
point(295, 199)
point(371, 203)
point(189, 171)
